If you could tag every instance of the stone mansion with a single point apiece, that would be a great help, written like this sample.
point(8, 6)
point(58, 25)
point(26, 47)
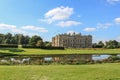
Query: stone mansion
point(72, 41)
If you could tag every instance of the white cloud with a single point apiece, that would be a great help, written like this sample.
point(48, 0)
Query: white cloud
point(89, 29)
point(99, 26)
point(106, 25)
point(11, 28)
point(68, 23)
point(22, 30)
point(18, 31)
point(7, 26)
point(34, 28)
point(113, 1)
point(117, 20)
point(32, 34)
point(59, 13)
point(118, 38)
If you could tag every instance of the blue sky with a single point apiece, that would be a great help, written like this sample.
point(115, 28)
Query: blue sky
point(47, 18)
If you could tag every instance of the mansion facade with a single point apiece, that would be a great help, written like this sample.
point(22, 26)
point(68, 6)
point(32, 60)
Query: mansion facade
point(72, 41)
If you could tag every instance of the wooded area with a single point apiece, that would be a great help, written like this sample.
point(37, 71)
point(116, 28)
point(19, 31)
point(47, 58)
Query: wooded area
point(21, 39)
point(37, 41)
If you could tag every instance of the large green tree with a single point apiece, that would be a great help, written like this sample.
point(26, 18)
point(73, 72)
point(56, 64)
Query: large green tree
point(21, 39)
point(100, 44)
point(16, 39)
point(1, 38)
point(25, 40)
point(39, 43)
point(7, 38)
point(112, 44)
point(47, 44)
point(34, 39)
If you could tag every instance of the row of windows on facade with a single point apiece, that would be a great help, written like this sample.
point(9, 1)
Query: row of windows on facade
point(71, 41)
point(78, 40)
point(72, 45)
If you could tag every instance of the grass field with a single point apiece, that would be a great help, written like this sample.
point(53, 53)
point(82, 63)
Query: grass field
point(109, 71)
point(66, 51)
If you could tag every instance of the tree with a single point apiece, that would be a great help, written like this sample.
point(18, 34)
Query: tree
point(47, 44)
point(39, 43)
point(15, 39)
point(100, 44)
point(8, 38)
point(20, 38)
point(26, 39)
point(1, 38)
point(33, 41)
point(112, 44)
point(119, 44)
point(115, 43)
point(94, 45)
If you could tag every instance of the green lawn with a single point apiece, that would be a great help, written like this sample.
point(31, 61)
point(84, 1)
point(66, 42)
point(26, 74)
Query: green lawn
point(66, 51)
point(109, 71)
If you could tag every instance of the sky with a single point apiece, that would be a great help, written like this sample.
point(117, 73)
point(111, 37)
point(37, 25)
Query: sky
point(47, 18)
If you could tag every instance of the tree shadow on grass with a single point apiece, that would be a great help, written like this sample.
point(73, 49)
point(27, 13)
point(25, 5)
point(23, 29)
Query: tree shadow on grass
point(7, 54)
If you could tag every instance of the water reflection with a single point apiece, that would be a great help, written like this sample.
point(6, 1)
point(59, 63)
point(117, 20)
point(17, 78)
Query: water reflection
point(59, 59)
point(100, 57)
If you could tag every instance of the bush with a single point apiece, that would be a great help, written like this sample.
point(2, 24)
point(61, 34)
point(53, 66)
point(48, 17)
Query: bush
point(8, 46)
point(53, 48)
point(43, 47)
point(29, 46)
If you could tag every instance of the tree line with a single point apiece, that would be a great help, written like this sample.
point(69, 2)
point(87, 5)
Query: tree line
point(111, 44)
point(20, 39)
point(37, 41)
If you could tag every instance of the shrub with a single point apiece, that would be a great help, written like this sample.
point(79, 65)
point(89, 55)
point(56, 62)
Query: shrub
point(8, 46)
point(43, 47)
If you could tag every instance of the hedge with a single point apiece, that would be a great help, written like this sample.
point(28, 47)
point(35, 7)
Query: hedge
point(43, 47)
point(8, 46)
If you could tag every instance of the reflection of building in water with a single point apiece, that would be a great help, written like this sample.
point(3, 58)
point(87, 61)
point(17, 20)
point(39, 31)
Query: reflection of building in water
point(69, 57)
point(41, 59)
point(72, 41)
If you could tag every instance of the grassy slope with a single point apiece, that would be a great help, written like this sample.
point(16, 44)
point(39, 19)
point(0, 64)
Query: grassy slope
point(61, 72)
point(66, 51)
